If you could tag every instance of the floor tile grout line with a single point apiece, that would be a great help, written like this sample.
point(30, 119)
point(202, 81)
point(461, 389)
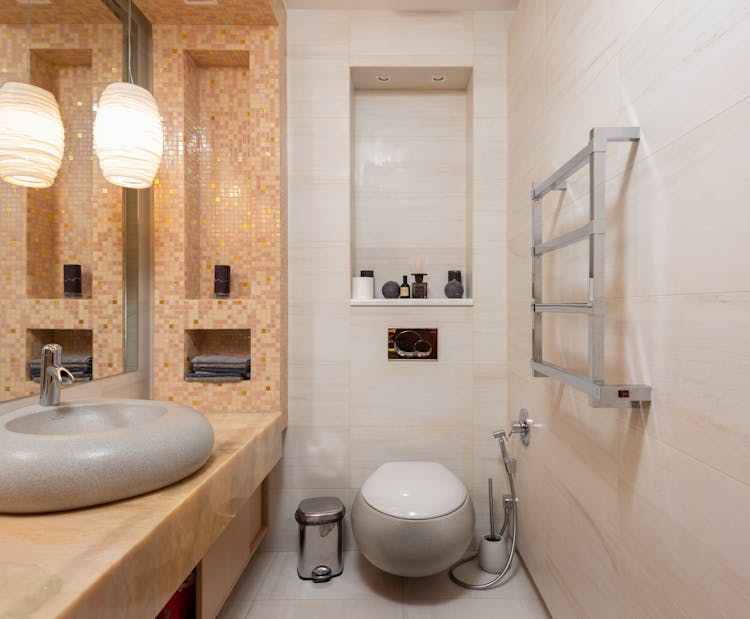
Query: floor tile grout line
point(274, 559)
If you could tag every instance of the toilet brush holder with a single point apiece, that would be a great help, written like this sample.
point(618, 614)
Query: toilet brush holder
point(493, 554)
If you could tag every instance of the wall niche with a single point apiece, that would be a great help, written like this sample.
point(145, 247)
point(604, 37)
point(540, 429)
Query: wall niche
point(58, 218)
point(412, 176)
point(219, 142)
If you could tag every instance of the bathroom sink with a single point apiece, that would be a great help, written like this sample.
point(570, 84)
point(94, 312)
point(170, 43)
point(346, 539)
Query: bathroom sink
point(86, 453)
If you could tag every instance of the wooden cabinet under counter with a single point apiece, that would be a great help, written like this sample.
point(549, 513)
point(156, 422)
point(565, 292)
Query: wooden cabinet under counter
point(126, 559)
point(223, 564)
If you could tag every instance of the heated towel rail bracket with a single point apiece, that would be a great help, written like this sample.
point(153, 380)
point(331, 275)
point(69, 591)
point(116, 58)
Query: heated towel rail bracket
point(601, 395)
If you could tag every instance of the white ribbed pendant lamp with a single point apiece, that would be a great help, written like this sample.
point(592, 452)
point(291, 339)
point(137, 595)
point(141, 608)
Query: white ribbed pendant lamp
point(128, 137)
point(32, 137)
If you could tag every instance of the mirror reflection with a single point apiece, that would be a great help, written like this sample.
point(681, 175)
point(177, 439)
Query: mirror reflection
point(62, 248)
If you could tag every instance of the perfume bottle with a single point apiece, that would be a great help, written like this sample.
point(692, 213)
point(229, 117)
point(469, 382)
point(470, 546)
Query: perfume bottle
point(404, 291)
point(419, 287)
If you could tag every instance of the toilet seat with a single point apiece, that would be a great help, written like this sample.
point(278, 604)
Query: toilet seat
point(414, 490)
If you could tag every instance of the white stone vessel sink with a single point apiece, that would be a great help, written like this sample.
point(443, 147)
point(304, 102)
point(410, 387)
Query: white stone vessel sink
point(85, 453)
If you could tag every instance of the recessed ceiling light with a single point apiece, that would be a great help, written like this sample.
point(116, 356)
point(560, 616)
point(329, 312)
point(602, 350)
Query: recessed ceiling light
point(438, 78)
point(383, 78)
point(34, 1)
point(201, 2)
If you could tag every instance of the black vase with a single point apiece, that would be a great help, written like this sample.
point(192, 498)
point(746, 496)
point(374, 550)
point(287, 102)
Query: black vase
point(391, 290)
point(221, 280)
point(454, 289)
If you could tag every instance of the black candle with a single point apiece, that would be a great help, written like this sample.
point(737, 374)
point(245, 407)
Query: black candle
point(221, 280)
point(72, 280)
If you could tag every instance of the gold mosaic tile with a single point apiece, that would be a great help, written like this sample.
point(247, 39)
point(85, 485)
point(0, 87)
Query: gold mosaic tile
point(72, 221)
point(226, 12)
point(219, 94)
point(56, 12)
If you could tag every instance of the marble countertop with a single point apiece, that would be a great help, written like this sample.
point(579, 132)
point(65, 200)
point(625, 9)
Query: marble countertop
point(124, 559)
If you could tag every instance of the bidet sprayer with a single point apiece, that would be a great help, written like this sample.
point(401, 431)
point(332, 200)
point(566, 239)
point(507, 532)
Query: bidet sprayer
point(500, 435)
point(522, 427)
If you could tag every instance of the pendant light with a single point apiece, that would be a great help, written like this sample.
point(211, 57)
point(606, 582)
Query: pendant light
point(32, 137)
point(128, 137)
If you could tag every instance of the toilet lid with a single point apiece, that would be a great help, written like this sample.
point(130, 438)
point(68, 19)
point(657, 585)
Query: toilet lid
point(414, 490)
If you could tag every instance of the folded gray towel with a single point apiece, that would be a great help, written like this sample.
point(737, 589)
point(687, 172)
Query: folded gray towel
point(192, 378)
point(67, 360)
point(77, 358)
point(220, 372)
point(232, 359)
point(221, 368)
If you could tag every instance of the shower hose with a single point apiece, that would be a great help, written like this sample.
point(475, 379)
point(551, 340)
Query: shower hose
point(514, 531)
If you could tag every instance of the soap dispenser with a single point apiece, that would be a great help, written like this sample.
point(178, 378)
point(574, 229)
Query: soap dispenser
point(404, 291)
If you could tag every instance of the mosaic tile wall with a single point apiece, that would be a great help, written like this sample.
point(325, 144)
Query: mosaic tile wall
point(217, 200)
point(81, 205)
point(57, 11)
point(58, 229)
point(231, 12)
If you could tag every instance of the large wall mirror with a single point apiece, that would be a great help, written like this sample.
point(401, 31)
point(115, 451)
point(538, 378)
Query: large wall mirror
point(73, 50)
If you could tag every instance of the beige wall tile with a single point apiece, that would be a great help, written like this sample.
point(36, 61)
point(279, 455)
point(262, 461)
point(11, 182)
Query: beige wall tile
point(318, 149)
point(615, 503)
point(318, 332)
point(410, 395)
point(411, 33)
point(400, 114)
point(490, 32)
point(319, 394)
point(697, 67)
point(317, 33)
point(315, 457)
point(318, 273)
point(489, 92)
point(417, 160)
point(318, 211)
point(318, 87)
point(426, 164)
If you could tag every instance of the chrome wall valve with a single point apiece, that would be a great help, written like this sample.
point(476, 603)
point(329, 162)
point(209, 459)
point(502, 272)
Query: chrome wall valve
point(523, 427)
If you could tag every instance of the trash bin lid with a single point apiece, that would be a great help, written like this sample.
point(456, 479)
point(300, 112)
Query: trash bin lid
point(320, 510)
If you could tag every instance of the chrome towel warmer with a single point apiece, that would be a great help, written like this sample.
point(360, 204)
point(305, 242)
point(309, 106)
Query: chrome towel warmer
point(601, 395)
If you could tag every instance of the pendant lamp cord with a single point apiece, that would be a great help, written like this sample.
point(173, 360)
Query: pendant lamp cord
point(28, 41)
point(130, 61)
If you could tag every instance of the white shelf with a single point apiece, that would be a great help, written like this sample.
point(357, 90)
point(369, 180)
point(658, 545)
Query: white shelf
point(409, 302)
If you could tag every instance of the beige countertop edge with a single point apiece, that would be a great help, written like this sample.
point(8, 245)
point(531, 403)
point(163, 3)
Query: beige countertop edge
point(125, 559)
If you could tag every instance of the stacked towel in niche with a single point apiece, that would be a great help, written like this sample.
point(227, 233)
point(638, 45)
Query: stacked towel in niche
point(219, 368)
point(81, 366)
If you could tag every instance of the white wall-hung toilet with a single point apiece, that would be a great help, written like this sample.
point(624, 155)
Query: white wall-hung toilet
point(413, 518)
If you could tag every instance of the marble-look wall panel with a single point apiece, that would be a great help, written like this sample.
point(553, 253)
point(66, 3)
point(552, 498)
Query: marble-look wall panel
point(350, 409)
point(615, 502)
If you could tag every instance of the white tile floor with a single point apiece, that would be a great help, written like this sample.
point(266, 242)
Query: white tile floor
point(271, 589)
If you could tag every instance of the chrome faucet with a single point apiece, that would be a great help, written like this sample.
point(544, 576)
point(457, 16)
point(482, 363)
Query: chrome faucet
point(52, 375)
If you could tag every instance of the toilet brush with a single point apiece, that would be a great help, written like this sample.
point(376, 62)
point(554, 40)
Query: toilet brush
point(492, 550)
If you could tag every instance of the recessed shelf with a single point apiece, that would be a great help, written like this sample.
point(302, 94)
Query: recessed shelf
point(59, 218)
point(75, 343)
point(215, 342)
point(220, 197)
point(410, 302)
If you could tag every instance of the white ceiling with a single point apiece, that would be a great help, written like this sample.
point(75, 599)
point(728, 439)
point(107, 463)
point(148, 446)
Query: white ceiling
point(406, 5)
